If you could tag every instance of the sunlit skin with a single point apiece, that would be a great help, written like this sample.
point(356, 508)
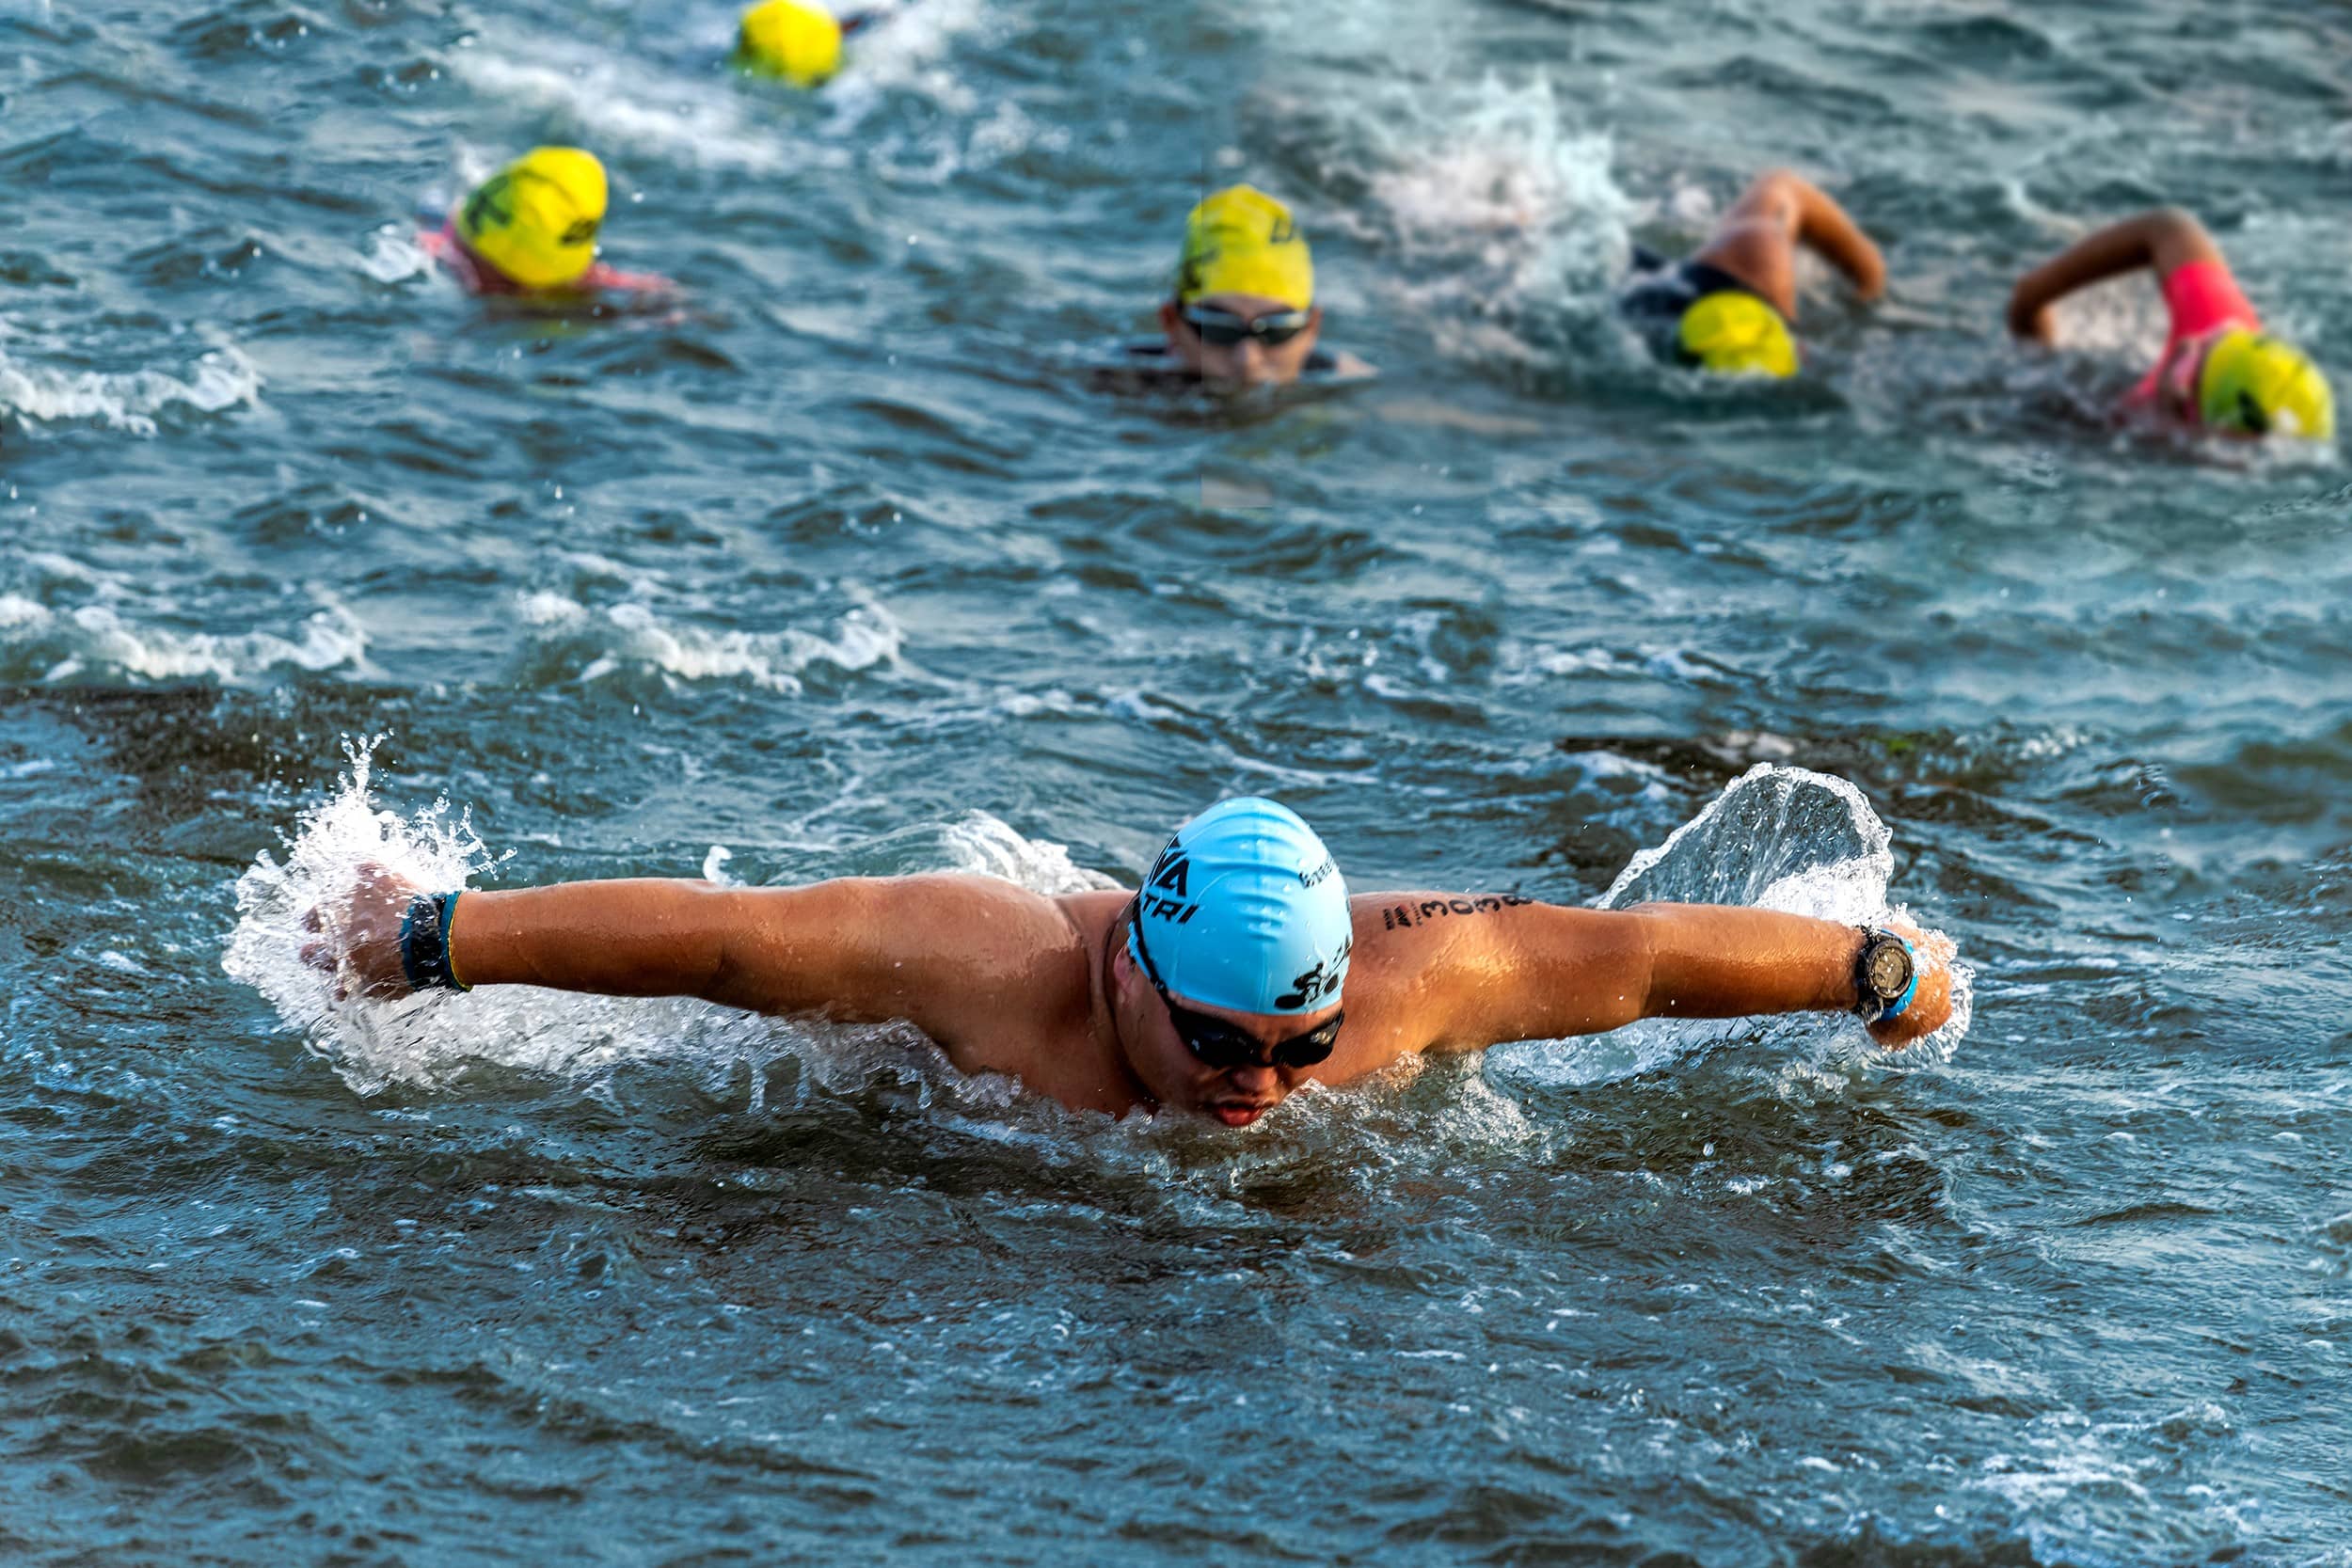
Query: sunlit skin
point(1249, 362)
point(1008, 981)
point(1756, 241)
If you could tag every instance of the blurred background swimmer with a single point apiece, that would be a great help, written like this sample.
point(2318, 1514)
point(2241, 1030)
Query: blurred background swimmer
point(796, 41)
point(1730, 306)
point(531, 229)
point(2218, 371)
point(1241, 312)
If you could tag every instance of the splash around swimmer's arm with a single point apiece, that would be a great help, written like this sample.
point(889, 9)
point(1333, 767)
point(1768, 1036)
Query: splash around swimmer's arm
point(1531, 971)
point(932, 950)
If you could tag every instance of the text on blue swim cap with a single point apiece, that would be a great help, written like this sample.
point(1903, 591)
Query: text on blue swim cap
point(1166, 890)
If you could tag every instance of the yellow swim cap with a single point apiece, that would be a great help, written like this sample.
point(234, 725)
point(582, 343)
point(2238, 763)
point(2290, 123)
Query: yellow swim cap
point(535, 220)
point(791, 39)
point(2260, 385)
point(1734, 333)
point(1241, 241)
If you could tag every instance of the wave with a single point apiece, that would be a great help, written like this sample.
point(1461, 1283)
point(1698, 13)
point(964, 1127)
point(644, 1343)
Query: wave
point(585, 643)
point(604, 104)
point(97, 643)
point(131, 401)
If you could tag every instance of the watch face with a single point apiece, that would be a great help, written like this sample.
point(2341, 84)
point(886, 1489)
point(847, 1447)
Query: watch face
point(1888, 969)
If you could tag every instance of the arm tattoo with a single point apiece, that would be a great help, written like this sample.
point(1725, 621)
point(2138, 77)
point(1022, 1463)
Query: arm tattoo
point(1427, 909)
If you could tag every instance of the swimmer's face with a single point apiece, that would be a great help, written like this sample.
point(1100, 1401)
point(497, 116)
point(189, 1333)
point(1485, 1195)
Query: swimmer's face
point(1251, 361)
point(1158, 1056)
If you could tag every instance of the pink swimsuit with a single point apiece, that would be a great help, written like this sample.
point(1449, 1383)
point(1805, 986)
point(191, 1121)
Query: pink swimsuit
point(480, 277)
point(2204, 300)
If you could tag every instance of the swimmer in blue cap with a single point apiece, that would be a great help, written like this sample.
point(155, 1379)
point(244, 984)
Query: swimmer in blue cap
point(1240, 970)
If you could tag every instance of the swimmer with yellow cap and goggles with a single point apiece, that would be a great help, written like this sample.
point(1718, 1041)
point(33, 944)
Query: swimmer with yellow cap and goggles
point(2218, 371)
point(1729, 308)
point(531, 229)
point(1242, 311)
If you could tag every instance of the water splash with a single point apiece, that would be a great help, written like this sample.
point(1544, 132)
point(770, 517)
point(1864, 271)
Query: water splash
point(1776, 838)
point(1497, 216)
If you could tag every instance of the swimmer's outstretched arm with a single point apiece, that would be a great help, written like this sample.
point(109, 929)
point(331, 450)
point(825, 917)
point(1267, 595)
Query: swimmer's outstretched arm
point(2162, 239)
point(1781, 208)
point(932, 950)
point(1545, 971)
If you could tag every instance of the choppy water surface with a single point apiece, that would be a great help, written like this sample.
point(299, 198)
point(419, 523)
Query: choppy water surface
point(849, 567)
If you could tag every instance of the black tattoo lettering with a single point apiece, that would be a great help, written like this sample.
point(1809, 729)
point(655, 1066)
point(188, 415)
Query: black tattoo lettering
point(1408, 915)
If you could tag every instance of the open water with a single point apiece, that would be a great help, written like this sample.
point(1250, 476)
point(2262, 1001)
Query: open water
point(851, 565)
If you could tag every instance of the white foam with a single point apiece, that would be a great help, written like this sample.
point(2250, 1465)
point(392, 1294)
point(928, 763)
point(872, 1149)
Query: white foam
point(592, 98)
point(59, 644)
point(392, 256)
point(981, 843)
point(633, 634)
point(220, 380)
point(910, 45)
point(1495, 204)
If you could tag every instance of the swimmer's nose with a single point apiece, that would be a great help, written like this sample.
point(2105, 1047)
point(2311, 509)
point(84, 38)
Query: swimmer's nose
point(1249, 359)
point(1256, 1082)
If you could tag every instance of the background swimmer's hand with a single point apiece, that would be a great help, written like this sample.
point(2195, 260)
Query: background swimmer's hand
point(2029, 319)
point(358, 934)
point(1932, 1007)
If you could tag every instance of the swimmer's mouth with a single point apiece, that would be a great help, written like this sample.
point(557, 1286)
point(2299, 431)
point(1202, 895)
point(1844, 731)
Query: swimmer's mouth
point(1240, 1112)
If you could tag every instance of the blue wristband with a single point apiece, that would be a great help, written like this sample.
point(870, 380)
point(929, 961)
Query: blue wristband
point(424, 942)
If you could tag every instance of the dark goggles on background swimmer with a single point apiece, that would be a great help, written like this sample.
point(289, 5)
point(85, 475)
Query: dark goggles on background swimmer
point(1217, 1043)
point(1224, 330)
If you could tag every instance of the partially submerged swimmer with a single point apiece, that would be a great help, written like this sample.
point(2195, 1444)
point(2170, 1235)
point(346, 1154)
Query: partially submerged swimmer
point(1242, 311)
point(790, 40)
point(798, 43)
point(530, 230)
point(1730, 306)
point(1240, 971)
point(2218, 371)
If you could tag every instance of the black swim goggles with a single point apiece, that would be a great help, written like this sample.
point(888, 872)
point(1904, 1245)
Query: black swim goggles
point(1223, 329)
point(1217, 1043)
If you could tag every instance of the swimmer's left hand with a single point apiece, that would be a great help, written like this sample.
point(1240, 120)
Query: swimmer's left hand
point(1932, 1007)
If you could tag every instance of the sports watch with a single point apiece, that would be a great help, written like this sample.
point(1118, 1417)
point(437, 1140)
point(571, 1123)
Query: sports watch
point(1885, 976)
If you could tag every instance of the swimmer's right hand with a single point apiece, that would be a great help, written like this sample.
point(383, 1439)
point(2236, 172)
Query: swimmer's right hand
point(2033, 322)
point(358, 934)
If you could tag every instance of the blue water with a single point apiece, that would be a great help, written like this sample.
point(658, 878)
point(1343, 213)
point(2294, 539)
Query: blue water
point(851, 566)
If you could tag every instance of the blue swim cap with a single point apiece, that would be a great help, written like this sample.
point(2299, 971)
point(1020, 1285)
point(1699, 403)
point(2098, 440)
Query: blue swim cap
point(1245, 910)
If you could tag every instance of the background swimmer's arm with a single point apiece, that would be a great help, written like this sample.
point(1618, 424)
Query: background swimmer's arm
point(602, 277)
point(2163, 240)
point(1542, 972)
point(1779, 208)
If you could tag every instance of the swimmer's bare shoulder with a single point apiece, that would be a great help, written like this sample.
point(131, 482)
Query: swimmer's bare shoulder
point(1440, 972)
